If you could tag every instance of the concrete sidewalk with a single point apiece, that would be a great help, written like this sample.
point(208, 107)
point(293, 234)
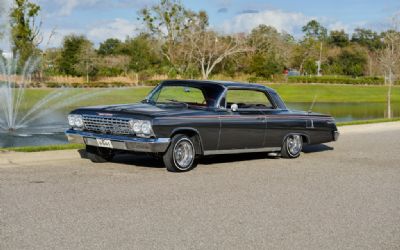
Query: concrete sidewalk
point(8, 159)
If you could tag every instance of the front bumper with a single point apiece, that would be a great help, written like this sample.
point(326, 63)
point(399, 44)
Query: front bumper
point(336, 135)
point(150, 145)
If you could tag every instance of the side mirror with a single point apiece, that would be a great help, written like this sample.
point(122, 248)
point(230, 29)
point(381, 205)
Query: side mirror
point(234, 107)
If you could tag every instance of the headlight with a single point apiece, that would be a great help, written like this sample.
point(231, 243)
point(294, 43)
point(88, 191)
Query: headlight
point(75, 121)
point(137, 127)
point(71, 120)
point(141, 127)
point(146, 127)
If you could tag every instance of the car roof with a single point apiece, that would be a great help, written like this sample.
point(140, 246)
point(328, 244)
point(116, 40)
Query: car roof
point(226, 84)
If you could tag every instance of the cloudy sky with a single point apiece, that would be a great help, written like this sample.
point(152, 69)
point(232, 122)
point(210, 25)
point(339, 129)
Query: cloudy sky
point(102, 19)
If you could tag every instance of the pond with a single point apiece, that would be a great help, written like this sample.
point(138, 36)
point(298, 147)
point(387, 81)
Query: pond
point(344, 112)
point(341, 111)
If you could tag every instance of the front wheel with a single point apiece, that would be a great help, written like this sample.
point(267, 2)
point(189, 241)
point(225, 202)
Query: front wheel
point(292, 146)
point(181, 154)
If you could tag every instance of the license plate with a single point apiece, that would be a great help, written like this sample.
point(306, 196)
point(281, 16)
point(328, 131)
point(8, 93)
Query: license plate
point(104, 143)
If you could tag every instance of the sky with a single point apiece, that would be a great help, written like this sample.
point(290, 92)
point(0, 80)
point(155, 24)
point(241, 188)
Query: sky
point(102, 19)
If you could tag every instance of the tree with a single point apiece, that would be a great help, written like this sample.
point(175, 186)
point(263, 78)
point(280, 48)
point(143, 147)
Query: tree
point(87, 59)
point(350, 61)
point(72, 46)
point(167, 21)
point(141, 51)
point(109, 47)
point(390, 58)
point(271, 51)
point(305, 54)
point(210, 49)
point(368, 38)
point(51, 57)
point(25, 30)
point(113, 65)
point(311, 48)
point(266, 66)
point(313, 29)
point(339, 38)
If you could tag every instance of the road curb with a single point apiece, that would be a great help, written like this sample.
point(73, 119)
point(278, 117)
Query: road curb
point(16, 158)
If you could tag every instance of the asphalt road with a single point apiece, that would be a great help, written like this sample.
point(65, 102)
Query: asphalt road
point(344, 195)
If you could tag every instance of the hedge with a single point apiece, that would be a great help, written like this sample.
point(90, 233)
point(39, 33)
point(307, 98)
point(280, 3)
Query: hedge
point(93, 84)
point(338, 80)
point(325, 80)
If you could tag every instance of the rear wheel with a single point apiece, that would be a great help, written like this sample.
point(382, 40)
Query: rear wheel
point(181, 154)
point(292, 146)
point(99, 155)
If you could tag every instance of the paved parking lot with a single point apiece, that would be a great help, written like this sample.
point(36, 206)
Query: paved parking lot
point(342, 195)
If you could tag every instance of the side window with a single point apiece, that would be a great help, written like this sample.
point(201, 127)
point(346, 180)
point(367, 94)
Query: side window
point(248, 99)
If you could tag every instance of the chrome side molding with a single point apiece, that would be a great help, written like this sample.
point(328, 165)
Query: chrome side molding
point(239, 151)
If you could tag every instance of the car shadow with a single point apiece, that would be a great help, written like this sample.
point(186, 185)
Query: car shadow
point(139, 160)
point(214, 159)
point(316, 148)
point(144, 160)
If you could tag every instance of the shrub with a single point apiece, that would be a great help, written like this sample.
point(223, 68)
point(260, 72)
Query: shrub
point(337, 80)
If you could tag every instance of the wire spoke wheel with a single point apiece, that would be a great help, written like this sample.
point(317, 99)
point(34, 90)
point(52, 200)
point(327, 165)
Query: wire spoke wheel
point(294, 144)
point(183, 154)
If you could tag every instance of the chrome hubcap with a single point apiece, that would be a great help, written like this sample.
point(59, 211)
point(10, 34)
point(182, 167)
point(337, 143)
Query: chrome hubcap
point(183, 154)
point(294, 144)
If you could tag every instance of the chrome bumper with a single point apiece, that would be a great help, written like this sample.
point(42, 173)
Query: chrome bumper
point(151, 145)
point(336, 135)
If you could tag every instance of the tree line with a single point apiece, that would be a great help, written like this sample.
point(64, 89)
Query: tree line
point(179, 41)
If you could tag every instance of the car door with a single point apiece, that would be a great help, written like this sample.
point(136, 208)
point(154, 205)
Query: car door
point(245, 127)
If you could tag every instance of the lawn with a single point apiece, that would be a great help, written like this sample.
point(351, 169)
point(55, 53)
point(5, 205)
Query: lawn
point(289, 92)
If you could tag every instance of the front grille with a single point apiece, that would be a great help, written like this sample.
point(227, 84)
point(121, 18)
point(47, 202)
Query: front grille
point(106, 125)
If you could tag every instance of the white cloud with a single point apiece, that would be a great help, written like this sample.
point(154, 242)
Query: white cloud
point(117, 28)
point(54, 38)
point(283, 21)
point(339, 26)
point(66, 7)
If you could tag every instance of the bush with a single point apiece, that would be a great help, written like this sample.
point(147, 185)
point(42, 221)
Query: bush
point(150, 82)
point(338, 80)
point(87, 85)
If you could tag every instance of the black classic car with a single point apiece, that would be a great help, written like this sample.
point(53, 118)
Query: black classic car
point(182, 120)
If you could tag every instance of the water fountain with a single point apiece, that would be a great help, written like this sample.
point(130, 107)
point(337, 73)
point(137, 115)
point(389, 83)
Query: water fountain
point(19, 118)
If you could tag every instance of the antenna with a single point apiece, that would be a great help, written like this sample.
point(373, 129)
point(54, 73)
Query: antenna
point(312, 104)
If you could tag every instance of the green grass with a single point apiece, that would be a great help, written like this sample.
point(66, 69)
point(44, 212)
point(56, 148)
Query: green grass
point(334, 93)
point(289, 93)
point(44, 148)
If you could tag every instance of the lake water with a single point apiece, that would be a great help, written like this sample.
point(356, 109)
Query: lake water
point(344, 112)
point(341, 111)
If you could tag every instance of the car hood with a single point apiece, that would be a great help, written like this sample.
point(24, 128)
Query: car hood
point(139, 109)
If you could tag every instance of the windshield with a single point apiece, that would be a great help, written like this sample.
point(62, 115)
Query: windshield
point(201, 95)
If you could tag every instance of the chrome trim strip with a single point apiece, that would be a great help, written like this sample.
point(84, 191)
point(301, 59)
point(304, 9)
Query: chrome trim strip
point(152, 145)
point(238, 151)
